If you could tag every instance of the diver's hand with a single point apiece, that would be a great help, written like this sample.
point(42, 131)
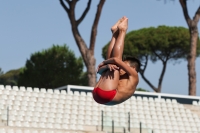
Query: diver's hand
point(112, 67)
point(99, 66)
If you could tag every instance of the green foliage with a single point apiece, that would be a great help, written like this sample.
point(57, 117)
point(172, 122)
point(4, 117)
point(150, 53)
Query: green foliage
point(51, 68)
point(84, 79)
point(161, 43)
point(141, 89)
point(11, 77)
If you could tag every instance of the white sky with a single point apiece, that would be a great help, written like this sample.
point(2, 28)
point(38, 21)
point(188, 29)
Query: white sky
point(30, 26)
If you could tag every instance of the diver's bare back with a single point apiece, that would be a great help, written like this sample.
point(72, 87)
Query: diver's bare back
point(126, 87)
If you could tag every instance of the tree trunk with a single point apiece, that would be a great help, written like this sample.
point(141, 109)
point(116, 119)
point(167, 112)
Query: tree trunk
point(156, 89)
point(91, 73)
point(192, 24)
point(87, 53)
point(88, 57)
point(162, 75)
point(191, 62)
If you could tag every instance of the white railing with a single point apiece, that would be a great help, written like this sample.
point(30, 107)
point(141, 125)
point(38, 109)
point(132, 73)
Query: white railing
point(159, 95)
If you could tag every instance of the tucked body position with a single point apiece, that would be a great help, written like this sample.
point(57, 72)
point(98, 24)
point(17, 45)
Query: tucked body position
point(119, 77)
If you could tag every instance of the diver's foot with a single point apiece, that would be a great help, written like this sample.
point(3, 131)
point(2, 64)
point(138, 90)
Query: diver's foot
point(114, 28)
point(123, 26)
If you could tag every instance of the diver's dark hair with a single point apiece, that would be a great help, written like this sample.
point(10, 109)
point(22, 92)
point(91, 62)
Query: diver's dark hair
point(134, 62)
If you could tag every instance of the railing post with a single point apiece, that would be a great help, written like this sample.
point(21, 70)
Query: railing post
point(7, 115)
point(159, 96)
point(129, 123)
point(140, 127)
point(102, 120)
point(112, 126)
point(124, 130)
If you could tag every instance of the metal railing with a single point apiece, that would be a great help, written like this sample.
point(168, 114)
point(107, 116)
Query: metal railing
point(109, 124)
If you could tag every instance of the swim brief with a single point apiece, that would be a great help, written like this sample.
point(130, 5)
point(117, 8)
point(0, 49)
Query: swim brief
point(102, 96)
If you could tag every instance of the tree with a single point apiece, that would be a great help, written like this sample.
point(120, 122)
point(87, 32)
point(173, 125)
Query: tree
point(51, 68)
point(157, 44)
point(86, 52)
point(191, 57)
point(192, 24)
point(11, 77)
point(84, 79)
point(1, 72)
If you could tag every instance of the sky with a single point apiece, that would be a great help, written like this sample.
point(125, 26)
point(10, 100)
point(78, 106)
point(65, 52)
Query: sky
point(27, 27)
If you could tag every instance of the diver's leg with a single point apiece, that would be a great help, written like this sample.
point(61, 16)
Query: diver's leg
point(115, 32)
point(118, 47)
